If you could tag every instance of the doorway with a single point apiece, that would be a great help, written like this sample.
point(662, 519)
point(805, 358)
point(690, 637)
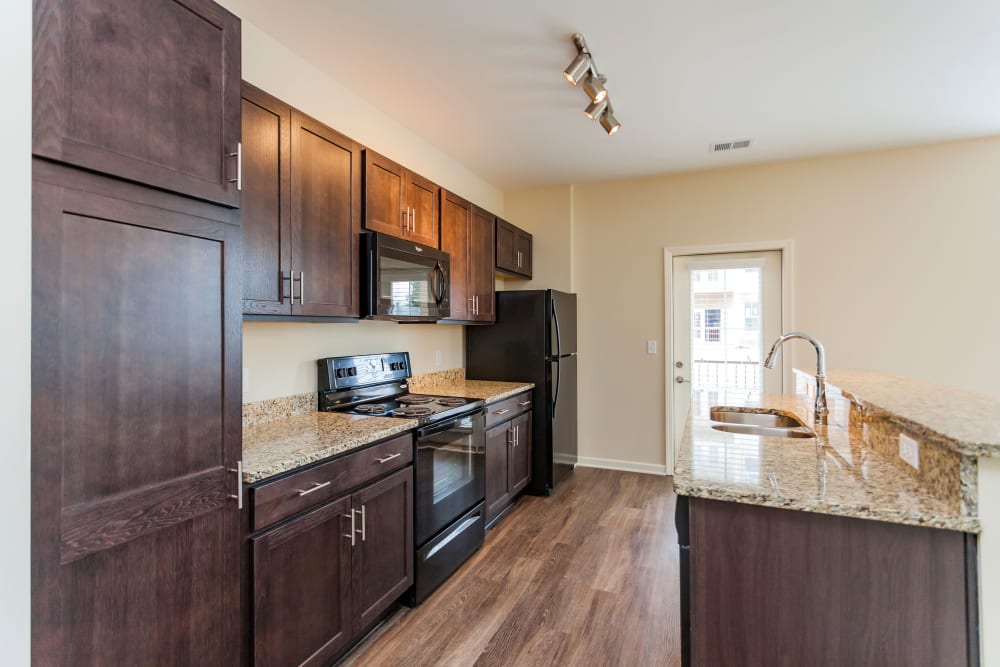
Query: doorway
point(724, 309)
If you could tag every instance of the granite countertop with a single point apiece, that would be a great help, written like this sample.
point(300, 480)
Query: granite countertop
point(852, 468)
point(453, 383)
point(286, 444)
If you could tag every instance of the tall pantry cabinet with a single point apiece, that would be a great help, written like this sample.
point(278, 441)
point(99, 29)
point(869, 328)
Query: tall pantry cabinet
point(136, 333)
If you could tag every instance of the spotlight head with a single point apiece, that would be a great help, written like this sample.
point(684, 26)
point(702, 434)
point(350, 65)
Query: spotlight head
point(609, 122)
point(595, 88)
point(595, 109)
point(578, 68)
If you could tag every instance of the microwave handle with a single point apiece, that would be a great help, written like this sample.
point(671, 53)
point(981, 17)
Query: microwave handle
point(439, 288)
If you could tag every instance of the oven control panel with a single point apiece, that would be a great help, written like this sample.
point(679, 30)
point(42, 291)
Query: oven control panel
point(362, 370)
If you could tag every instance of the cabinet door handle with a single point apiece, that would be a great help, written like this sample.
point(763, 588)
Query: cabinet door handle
point(502, 412)
point(413, 220)
point(403, 215)
point(363, 523)
point(389, 458)
point(510, 436)
point(351, 534)
point(302, 287)
point(517, 434)
point(315, 487)
point(523, 403)
point(239, 484)
point(281, 283)
point(239, 166)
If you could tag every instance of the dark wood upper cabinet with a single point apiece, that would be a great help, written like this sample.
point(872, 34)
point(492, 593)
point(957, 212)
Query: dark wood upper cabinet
point(301, 213)
point(135, 424)
point(266, 206)
point(399, 202)
point(467, 237)
point(326, 220)
point(383, 558)
point(514, 251)
point(145, 91)
point(302, 588)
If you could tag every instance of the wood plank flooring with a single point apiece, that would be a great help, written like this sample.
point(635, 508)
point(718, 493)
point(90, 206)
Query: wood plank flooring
point(586, 577)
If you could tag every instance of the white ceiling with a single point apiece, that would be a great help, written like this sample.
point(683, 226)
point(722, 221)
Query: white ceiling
point(483, 80)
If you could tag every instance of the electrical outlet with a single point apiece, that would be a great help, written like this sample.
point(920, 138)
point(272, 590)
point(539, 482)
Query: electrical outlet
point(650, 347)
point(437, 359)
point(246, 382)
point(909, 450)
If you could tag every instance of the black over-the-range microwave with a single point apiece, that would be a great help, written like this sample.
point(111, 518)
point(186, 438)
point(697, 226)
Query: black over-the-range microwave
point(402, 280)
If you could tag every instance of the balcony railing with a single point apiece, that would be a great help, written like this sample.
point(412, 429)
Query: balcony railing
point(707, 374)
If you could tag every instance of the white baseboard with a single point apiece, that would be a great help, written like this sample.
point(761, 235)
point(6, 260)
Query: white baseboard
point(618, 464)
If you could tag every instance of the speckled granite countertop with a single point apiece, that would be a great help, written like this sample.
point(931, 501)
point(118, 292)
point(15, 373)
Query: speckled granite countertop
point(286, 444)
point(852, 468)
point(453, 383)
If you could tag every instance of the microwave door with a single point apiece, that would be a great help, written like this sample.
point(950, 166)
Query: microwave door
point(409, 286)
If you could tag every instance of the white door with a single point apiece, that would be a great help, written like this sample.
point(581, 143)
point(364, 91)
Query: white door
point(726, 313)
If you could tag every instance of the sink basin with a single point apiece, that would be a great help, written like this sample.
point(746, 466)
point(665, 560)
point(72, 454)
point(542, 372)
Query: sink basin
point(765, 419)
point(770, 424)
point(773, 432)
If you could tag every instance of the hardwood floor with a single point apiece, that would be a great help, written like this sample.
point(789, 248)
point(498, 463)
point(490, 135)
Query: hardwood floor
point(586, 577)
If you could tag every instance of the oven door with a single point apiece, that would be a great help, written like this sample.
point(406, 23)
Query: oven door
point(407, 281)
point(451, 472)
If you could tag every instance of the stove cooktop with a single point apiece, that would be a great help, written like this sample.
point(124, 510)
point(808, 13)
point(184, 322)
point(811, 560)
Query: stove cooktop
point(422, 407)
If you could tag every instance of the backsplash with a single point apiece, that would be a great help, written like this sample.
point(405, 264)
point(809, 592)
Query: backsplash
point(427, 382)
point(271, 409)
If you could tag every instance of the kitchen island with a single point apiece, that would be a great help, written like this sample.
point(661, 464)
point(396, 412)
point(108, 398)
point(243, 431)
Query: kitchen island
point(855, 546)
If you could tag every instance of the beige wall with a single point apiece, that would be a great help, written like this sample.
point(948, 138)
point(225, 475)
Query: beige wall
point(281, 358)
point(15, 334)
point(895, 269)
point(548, 214)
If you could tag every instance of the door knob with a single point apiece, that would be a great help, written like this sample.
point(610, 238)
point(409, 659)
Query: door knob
point(679, 380)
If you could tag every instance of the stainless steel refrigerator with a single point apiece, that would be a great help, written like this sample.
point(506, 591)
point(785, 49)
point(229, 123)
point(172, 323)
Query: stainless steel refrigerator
point(534, 340)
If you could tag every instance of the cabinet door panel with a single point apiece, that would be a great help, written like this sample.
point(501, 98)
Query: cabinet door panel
point(506, 242)
point(497, 469)
point(383, 558)
point(135, 424)
point(481, 269)
point(522, 253)
point(422, 197)
point(520, 454)
point(326, 217)
point(147, 91)
point(302, 588)
point(455, 220)
point(266, 208)
point(385, 197)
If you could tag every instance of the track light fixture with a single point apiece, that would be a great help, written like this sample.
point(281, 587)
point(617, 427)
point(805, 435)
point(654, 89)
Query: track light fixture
point(583, 70)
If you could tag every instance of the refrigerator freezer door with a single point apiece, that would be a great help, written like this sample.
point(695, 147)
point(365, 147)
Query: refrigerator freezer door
point(562, 323)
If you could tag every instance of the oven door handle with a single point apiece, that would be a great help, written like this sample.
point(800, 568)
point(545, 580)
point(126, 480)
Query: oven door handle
point(444, 426)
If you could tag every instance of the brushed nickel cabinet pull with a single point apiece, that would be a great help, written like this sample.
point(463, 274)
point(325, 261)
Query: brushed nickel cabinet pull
point(364, 522)
point(389, 458)
point(352, 533)
point(517, 435)
point(281, 284)
point(502, 412)
point(302, 287)
point(239, 166)
point(523, 403)
point(239, 484)
point(315, 487)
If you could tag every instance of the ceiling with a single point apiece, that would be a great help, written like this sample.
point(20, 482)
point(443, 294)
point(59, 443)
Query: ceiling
point(483, 80)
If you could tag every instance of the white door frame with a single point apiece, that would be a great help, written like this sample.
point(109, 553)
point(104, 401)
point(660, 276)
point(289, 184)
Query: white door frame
point(787, 302)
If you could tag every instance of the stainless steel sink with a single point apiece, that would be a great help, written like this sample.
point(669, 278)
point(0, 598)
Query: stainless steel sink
point(767, 419)
point(770, 424)
point(750, 429)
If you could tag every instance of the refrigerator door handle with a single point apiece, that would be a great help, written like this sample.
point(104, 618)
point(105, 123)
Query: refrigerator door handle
point(555, 316)
point(555, 396)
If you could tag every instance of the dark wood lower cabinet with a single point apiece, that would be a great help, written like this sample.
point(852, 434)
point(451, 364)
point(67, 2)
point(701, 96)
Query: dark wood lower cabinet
point(324, 578)
point(508, 458)
point(780, 587)
point(135, 424)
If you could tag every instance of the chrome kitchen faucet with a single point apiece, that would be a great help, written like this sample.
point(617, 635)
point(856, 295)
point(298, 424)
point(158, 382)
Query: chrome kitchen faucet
point(821, 409)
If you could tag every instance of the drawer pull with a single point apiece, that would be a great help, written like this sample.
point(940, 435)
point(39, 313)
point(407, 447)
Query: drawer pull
point(316, 487)
point(502, 412)
point(523, 403)
point(389, 458)
point(353, 531)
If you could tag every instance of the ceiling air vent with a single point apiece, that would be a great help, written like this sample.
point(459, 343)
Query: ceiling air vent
point(730, 145)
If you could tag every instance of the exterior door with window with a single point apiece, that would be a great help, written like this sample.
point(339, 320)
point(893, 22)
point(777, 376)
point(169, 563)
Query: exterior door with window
point(726, 312)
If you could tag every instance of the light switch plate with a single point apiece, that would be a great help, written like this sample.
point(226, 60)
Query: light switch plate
point(909, 450)
point(650, 347)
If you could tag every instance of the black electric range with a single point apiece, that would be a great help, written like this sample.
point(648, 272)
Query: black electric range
point(449, 459)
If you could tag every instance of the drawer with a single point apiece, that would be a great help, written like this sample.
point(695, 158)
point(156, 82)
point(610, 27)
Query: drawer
point(282, 498)
point(501, 411)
